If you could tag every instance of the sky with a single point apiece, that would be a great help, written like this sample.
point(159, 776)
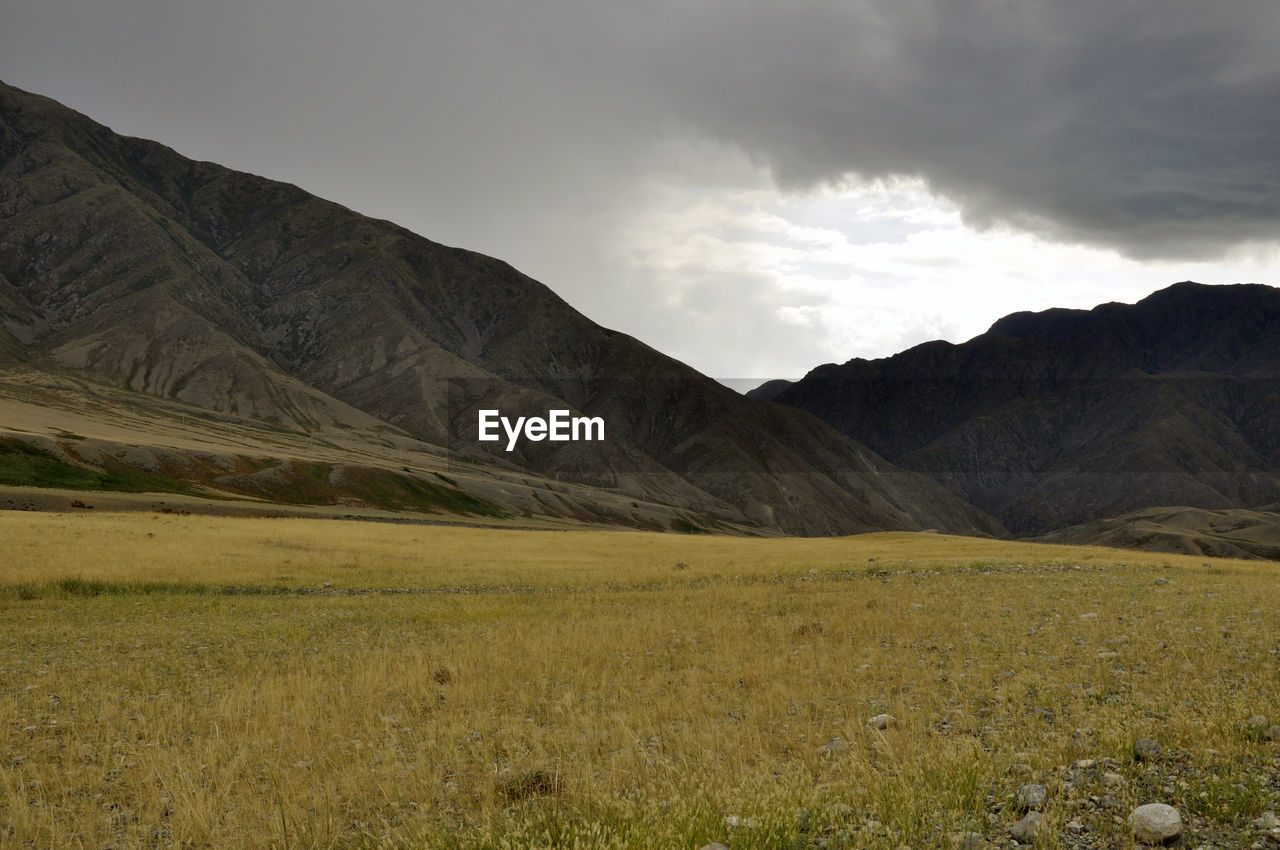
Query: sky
point(754, 188)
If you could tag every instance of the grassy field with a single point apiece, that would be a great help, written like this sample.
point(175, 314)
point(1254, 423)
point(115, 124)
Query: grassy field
point(170, 681)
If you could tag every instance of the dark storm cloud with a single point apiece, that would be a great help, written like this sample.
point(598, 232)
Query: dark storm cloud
point(1149, 126)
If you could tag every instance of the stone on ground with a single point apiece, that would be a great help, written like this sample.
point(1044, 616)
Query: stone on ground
point(1024, 831)
point(1155, 823)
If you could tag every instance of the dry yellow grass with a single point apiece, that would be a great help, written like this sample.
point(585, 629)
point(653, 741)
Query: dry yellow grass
point(192, 682)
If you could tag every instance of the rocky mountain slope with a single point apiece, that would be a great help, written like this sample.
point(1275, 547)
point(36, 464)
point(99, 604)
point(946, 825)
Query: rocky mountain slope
point(1062, 417)
point(124, 263)
point(1232, 533)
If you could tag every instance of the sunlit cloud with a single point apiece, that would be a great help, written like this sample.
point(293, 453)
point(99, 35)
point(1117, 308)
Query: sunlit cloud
point(867, 270)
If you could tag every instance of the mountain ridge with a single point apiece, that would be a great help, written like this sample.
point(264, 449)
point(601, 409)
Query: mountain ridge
point(125, 263)
point(1062, 417)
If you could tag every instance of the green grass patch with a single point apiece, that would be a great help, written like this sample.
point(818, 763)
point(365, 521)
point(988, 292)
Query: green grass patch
point(396, 491)
point(25, 465)
point(74, 587)
point(305, 482)
point(684, 526)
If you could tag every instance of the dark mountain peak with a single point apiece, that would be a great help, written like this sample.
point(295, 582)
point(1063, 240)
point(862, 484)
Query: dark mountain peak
point(1053, 323)
point(1169, 311)
point(1063, 416)
point(14, 99)
point(769, 389)
point(1190, 293)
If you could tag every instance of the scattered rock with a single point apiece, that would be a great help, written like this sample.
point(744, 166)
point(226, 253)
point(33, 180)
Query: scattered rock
point(1024, 831)
point(969, 841)
point(1030, 797)
point(1266, 821)
point(1155, 823)
point(1147, 749)
point(882, 722)
point(1113, 780)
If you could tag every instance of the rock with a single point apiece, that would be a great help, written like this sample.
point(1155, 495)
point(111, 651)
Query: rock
point(1030, 797)
point(1112, 780)
point(1258, 723)
point(715, 845)
point(882, 722)
point(1155, 823)
point(969, 841)
point(1267, 821)
point(1024, 831)
point(1272, 733)
point(1092, 615)
point(1147, 749)
point(830, 748)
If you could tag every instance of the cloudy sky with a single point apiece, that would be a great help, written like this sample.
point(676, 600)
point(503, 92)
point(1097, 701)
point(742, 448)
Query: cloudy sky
point(752, 187)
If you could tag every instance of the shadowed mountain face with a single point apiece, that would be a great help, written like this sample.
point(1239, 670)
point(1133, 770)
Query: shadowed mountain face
point(769, 390)
point(1186, 531)
point(124, 262)
point(1062, 417)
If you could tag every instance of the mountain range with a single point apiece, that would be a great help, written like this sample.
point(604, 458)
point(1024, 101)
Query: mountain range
point(1065, 417)
point(175, 326)
point(261, 342)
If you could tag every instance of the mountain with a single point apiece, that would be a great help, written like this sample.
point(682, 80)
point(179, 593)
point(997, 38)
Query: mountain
point(1184, 531)
point(1062, 417)
point(131, 269)
point(769, 390)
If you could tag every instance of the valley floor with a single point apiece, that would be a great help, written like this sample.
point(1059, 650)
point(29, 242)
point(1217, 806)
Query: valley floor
point(189, 681)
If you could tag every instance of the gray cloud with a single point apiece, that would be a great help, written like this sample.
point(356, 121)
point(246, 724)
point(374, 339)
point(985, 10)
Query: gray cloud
point(1149, 125)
